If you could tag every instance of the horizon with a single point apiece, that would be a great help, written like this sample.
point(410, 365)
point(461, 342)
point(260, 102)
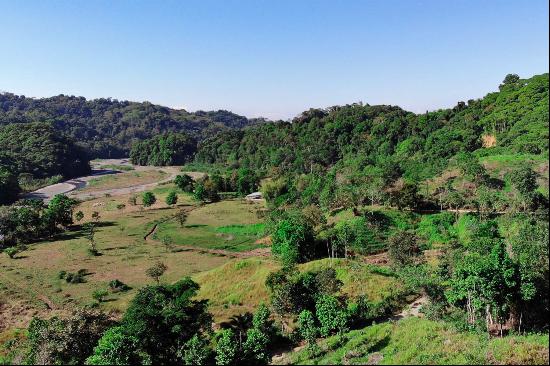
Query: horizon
point(252, 117)
point(272, 60)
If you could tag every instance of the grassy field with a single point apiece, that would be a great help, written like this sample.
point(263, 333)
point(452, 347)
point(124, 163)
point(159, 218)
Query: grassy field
point(124, 179)
point(239, 285)
point(228, 225)
point(422, 342)
point(30, 283)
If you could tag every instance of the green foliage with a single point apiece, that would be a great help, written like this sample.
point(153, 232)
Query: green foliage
point(9, 186)
point(227, 348)
point(118, 286)
point(107, 128)
point(156, 271)
point(148, 199)
point(185, 183)
point(206, 189)
point(436, 228)
point(40, 150)
point(487, 285)
point(31, 220)
point(331, 314)
point(256, 347)
point(65, 341)
point(524, 180)
point(307, 328)
point(164, 318)
point(99, 295)
point(292, 241)
point(172, 198)
point(79, 216)
point(168, 149)
point(116, 347)
point(196, 352)
point(403, 248)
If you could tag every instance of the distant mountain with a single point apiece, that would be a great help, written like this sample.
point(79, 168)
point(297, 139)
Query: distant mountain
point(108, 127)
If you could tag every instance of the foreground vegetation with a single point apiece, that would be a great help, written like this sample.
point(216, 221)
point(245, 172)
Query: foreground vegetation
point(384, 237)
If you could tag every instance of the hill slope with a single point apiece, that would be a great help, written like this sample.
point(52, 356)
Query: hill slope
point(108, 127)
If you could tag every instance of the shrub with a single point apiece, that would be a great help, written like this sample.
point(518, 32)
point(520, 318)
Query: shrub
point(172, 198)
point(116, 347)
point(99, 295)
point(331, 315)
point(227, 348)
point(11, 252)
point(148, 199)
point(156, 271)
point(118, 286)
point(196, 352)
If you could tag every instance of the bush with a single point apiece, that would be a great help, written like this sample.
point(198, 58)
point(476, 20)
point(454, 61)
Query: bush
point(172, 198)
point(148, 199)
point(11, 252)
point(77, 277)
point(116, 347)
point(227, 348)
point(196, 352)
point(99, 295)
point(331, 315)
point(403, 248)
point(293, 241)
point(118, 286)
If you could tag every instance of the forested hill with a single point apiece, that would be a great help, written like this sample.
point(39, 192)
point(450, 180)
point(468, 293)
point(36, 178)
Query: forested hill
point(401, 143)
point(108, 127)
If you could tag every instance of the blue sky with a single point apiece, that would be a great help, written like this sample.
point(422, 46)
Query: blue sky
point(270, 58)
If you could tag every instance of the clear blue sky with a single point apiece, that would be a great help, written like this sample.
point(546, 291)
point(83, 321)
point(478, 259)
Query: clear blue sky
point(270, 58)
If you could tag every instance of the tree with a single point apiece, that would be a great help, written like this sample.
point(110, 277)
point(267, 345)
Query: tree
point(89, 232)
point(247, 181)
point(172, 198)
point(156, 271)
point(256, 347)
point(471, 168)
point(239, 324)
point(11, 252)
point(116, 347)
point(184, 182)
point(308, 329)
point(509, 80)
point(488, 285)
point(292, 241)
point(261, 320)
point(9, 187)
point(59, 212)
point(405, 197)
point(181, 217)
point(148, 199)
point(196, 352)
point(403, 248)
point(524, 180)
point(164, 318)
point(331, 315)
point(227, 348)
point(65, 340)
